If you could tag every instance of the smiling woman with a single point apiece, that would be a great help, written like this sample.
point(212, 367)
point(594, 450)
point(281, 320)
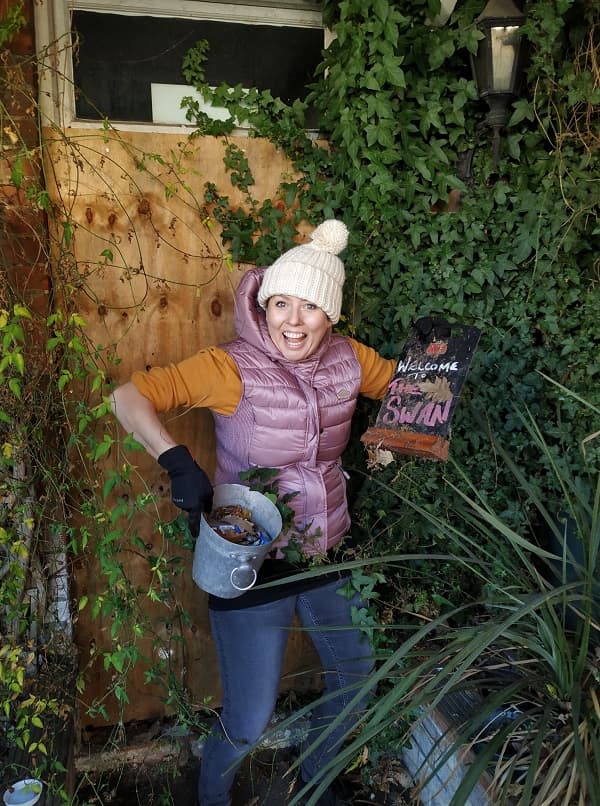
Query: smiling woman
point(302, 292)
point(296, 327)
point(282, 395)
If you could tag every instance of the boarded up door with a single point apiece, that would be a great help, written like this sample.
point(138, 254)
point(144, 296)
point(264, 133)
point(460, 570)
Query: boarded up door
point(151, 279)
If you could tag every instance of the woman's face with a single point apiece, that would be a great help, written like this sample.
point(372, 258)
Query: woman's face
point(296, 327)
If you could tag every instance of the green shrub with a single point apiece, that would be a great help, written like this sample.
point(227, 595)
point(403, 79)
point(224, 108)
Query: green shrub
point(518, 258)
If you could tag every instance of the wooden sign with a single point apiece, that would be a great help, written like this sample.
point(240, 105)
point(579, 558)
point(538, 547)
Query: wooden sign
point(416, 413)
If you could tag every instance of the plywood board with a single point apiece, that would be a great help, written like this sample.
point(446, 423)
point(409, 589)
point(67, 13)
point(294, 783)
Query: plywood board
point(144, 262)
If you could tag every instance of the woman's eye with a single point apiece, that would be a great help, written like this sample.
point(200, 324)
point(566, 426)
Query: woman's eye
point(310, 306)
point(280, 303)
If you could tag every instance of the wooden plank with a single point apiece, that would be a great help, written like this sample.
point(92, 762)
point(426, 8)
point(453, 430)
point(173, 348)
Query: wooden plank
point(154, 286)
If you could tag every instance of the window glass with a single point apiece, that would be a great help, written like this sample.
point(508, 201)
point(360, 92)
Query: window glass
point(119, 57)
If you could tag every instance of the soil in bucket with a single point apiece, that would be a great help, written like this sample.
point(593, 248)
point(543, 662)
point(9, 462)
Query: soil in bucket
point(234, 523)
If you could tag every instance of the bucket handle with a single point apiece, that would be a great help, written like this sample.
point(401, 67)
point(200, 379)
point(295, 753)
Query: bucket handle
point(243, 568)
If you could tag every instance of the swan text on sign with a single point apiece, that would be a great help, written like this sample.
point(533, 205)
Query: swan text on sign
point(417, 412)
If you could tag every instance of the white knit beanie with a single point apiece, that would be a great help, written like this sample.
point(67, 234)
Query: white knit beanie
point(311, 271)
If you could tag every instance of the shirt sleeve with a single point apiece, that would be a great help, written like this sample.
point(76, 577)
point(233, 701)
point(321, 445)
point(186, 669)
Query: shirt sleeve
point(377, 372)
point(208, 379)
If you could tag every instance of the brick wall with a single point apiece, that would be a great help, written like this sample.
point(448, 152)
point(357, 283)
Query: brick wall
point(23, 231)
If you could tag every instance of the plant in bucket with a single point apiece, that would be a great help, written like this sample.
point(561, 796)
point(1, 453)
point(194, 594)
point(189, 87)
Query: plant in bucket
point(222, 566)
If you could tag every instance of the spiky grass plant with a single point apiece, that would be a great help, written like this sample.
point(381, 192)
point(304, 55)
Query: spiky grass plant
point(530, 649)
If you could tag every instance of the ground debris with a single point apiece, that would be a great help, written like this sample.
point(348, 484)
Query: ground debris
point(165, 770)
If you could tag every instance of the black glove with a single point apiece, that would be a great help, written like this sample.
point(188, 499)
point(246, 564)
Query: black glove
point(191, 489)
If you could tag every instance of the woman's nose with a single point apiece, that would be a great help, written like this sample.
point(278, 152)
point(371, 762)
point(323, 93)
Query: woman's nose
point(295, 315)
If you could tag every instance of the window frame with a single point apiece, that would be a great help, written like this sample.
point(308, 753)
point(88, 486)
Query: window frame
point(55, 51)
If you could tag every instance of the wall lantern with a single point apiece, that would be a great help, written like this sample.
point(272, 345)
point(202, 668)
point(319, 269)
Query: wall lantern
point(499, 62)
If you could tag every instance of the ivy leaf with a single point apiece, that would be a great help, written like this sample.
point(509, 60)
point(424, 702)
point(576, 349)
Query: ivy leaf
point(500, 193)
point(381, 7)
point(53, 342)
point(372, 133)
point(439, 151)
point(513, 145)
point(394, 72)
point(371, 83)
point(118, 661)
point(522, 110)
point(17, 172)
point(456, 184)
point(111, 482)
point(391, 31)
point(384, 137)
point(523, 250)
point(422, 168)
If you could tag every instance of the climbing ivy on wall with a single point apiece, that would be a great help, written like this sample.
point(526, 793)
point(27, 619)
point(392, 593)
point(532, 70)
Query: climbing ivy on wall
point(517, 255)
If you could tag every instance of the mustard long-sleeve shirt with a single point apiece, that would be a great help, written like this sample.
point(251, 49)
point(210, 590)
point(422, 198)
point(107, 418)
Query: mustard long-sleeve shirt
point(210, 379)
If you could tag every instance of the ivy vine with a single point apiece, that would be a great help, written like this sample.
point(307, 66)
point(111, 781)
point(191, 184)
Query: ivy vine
point(511, 248)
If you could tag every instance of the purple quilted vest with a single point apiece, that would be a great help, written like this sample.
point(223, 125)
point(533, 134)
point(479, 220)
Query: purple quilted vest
point(294, 416)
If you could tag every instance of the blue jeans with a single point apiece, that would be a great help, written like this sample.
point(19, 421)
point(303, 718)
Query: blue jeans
point(251, 645)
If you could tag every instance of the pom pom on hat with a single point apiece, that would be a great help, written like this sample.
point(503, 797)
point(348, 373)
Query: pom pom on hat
point(330, 236)
point(311, 271)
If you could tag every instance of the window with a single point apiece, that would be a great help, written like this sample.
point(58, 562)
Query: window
point(127, 62)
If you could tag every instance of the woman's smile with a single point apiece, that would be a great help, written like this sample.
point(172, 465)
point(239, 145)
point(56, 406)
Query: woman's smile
point(296, 327)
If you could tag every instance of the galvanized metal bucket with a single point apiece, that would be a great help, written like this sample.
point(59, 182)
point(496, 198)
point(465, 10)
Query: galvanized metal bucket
point(226, 569)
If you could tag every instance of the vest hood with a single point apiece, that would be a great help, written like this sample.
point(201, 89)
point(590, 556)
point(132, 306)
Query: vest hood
point(249, 318)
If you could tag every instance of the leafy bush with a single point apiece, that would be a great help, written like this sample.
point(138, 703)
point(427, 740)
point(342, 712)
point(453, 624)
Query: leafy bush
point(517, 257)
